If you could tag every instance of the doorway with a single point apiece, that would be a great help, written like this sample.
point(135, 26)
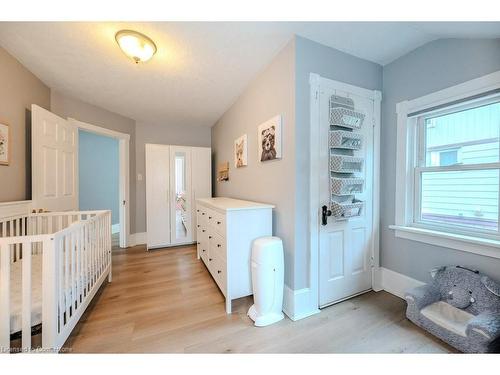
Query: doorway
point(99, 177)
point(105, 158)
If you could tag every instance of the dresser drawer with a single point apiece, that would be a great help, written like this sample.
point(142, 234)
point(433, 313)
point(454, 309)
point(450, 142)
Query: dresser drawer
point(219, 223)
point(219, 274)
point(218, 246)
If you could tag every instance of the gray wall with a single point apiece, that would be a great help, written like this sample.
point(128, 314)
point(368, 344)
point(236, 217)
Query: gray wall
point(430, 68)
point(19, 88)
point(66, 106)
point(271, 93)
point(312, 57)
point(161, 134)
point(99, 173)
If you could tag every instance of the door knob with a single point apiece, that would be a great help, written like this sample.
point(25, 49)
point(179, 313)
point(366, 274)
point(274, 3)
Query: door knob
point(325, 212)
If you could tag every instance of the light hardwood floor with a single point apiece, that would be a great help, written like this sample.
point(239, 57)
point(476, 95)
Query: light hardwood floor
point(166, 301)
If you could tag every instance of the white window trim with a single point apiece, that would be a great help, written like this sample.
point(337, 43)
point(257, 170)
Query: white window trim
point(406, 135)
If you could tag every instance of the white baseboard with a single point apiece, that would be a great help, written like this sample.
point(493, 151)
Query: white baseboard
point(137, 239)
point(115, 228)
point(297, 303)
point(396, 283)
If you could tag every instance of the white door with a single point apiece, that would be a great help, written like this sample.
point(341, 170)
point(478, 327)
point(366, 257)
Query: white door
point(201, 179)
point(157, 195)
point(54, 145)
point(180, 195)
point(345, 245)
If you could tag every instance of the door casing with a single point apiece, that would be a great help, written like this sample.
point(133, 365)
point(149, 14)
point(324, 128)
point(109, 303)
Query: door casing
point(316, 83)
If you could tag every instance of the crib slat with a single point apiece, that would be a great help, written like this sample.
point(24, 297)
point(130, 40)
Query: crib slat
point(18, 233)
point(49, 295)
point(26, 295)
point(67, 254)
point(73, 290)
point(4, 296)
point(59, 246)
point(78, 267)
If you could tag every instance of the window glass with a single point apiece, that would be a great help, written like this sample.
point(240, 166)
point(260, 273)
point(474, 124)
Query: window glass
point(467, 198)
point(466, 137)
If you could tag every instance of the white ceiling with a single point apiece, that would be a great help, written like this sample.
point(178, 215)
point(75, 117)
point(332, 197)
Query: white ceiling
point(200, 68)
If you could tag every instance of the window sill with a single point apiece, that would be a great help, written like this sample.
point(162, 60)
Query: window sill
point(475, 245)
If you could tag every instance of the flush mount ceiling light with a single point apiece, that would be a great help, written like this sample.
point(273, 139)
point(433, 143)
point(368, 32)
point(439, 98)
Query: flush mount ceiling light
point(135, 45)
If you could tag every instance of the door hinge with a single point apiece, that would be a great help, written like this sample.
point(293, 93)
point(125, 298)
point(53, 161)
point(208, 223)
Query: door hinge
point(372, 262)
point(124, 202)
point(317, 94)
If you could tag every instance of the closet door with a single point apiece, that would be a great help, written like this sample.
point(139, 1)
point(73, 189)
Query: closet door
point(201, 175)
point(180, 195)
point(158, 195)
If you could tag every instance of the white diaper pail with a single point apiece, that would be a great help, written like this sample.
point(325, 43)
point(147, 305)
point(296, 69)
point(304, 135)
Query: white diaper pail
point(267, 281)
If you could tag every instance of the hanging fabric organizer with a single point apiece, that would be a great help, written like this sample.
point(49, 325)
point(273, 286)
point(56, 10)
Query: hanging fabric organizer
point(343, 142)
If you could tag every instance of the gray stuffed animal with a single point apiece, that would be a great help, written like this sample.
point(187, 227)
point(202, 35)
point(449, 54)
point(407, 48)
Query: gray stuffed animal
point(461, 306)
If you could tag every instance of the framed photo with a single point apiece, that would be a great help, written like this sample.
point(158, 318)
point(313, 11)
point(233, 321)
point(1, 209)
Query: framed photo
point(241, 151)
point(223, 172)
point(269, 139)
point(4, 144)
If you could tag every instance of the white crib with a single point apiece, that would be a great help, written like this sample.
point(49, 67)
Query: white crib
point(51, 266)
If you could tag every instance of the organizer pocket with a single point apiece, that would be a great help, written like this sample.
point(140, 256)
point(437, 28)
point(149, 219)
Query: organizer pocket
point(346, 186)
point(346, 118)
point(345, 164)
point(346, 210)
point(345, 139)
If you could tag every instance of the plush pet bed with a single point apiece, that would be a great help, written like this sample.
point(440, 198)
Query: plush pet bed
point(461, 307)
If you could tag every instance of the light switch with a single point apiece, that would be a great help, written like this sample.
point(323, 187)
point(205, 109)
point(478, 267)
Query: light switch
point(139, 177)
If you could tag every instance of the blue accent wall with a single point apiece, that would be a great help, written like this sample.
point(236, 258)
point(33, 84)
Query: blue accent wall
point(99, 168)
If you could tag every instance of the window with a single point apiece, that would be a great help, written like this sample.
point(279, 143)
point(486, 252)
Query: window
point(456, 168)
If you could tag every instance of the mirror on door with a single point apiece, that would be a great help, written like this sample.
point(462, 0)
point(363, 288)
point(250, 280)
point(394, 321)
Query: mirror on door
point(181, 204)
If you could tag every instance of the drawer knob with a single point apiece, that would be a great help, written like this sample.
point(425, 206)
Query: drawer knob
point(209, 237)
point(210, 217)
point(198, 225)
point(197, 243)
point(219, 271)
point(204, 250)
point(218, 245)
point(209, 259)
point(197, 210)
point(218, 222)
point(203, 213)
point(203, 230)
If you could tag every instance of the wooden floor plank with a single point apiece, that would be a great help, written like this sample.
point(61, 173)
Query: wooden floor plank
point(165, 301)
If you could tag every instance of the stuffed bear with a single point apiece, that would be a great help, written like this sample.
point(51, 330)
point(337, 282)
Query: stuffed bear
point(460, 297)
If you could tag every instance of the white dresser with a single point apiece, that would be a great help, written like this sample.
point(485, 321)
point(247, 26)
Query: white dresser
point(226, 229)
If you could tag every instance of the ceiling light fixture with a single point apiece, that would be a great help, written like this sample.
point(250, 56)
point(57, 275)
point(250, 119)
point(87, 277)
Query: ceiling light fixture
point(135, 45)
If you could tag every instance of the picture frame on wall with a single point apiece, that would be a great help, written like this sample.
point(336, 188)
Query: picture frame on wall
point(269, 139)
point(241, 151)
point(5, 145)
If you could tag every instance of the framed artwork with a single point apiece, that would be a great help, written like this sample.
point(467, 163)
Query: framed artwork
point(223, 172)
point(4, 144)
point(269, 139)
point(241, 151)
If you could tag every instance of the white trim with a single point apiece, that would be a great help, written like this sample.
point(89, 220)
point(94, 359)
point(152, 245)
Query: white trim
point(15, 208)
point(316, 81)
point(124, 183)
point(397, 283)
point(138, 239)
point(297, 303)
point(405, 169)
point(475, 245)
point(99, 130)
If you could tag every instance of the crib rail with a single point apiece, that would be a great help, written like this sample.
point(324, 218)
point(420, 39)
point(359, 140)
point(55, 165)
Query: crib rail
point(76, 258)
